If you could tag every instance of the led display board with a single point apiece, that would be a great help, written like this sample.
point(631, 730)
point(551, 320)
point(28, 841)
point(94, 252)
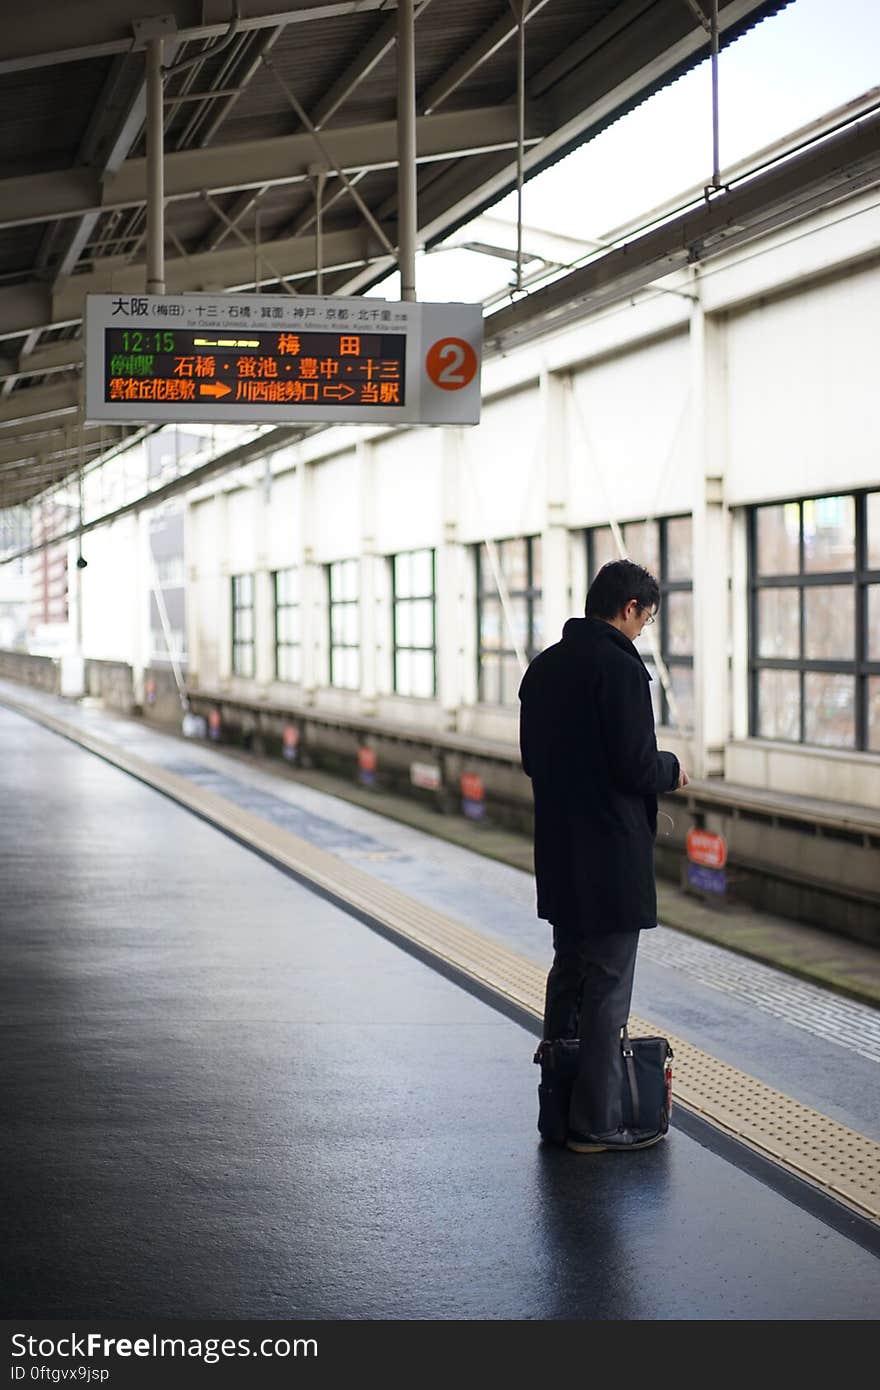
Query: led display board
point(268, 360)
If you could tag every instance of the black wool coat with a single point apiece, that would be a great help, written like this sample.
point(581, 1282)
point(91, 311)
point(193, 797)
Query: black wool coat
point(587, 742)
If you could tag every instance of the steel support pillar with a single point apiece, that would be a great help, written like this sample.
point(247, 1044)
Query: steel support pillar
point(712, 598)
point(407, 222)
point(155, 170)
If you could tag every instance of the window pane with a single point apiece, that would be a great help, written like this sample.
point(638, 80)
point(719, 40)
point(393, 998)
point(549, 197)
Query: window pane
point(829, 623)
point(423, 674)
point(655, 686)
point(422, 573)
point(511, 676)
point(487, 577)
point(536, 562)
point(778, 529)
point(286, 586)
point(288, 664)
point(422, 623)
point(679, 548)
point(490, 677)
point(350, 624)
point(874, 714)
point(403, 624)
point(873, 512)
point(779, 705)
point(519, 620)
point(402, 673)
point(681, 678)
point(242, 660)
point(537, 626)
point(829, 703)
point(352, 579)
point(679, 610)
point(490, 625)
point(602, 548)
point(779, 618)
point(642, 540)
point(874, 622)
point(512, 557)
point(830, 534)
point(402, 582)
point(345, 668)
point(336, 624)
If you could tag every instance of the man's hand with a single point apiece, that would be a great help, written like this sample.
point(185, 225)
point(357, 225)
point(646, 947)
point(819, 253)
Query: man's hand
point(683, 778)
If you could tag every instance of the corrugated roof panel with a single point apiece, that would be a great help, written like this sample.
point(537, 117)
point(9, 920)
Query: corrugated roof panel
point(43, 120)
point(18, 250)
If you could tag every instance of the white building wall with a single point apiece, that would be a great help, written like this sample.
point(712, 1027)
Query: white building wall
point(804, 407)
point(112, 592)
point(334, 509)
point(502, 487)
point(407, 504)
point(633, 413)
point(630, 453)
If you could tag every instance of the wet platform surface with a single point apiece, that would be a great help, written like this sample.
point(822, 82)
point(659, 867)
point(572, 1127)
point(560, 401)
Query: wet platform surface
point(224, 1097)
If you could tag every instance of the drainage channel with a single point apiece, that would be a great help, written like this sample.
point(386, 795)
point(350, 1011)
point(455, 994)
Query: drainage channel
point(827, 1156)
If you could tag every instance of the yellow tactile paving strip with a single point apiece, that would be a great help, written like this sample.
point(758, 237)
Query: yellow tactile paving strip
point(818, 1149)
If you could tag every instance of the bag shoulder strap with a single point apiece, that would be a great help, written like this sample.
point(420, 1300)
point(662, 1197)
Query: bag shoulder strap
point(629, 1063)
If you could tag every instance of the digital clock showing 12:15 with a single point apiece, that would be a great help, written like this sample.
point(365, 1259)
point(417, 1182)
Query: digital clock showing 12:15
point(133, 340)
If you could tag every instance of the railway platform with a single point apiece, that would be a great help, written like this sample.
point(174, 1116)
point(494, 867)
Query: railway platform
point(269, 1057)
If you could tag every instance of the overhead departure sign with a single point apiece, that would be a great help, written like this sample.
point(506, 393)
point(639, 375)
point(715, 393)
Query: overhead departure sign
point(265, 359)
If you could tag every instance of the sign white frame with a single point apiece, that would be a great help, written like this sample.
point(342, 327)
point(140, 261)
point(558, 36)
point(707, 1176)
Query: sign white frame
point(423, 325)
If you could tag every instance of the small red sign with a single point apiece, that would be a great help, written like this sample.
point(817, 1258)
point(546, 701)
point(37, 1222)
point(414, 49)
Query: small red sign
point(367, 759)
point(704, 847)
point(290, 736)
point(471, 786)
point(451, 363)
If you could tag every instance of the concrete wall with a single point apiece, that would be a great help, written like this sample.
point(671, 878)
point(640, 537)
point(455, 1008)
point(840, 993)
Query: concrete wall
point(42, 672)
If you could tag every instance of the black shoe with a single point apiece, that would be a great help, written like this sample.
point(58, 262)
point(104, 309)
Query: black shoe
point(623, 1141)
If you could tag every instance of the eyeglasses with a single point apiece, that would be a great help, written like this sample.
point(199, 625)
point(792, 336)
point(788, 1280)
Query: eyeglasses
point(650, 618)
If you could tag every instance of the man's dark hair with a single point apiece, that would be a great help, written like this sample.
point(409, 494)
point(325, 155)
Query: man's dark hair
point(614, 586)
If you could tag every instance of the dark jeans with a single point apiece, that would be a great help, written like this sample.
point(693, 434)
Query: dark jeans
point(588, 996)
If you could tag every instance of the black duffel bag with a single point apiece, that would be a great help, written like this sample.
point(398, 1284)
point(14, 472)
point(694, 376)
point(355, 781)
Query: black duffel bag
point(647, 1091)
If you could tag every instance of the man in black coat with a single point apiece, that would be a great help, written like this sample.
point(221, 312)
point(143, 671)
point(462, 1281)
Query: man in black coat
point(588, 744)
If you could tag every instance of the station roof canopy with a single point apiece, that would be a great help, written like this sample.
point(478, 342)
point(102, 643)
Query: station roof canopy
point(264, 103)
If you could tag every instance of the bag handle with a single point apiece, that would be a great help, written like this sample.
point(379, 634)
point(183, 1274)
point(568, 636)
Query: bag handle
point(629, 1063)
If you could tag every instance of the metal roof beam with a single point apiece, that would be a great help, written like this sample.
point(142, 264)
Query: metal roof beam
point(614, 75)
point(51, 445)
point(819, 177)
point(23, 407)
point(104, 27)
point(57, 357)
point(503, 30)
point(23, 308)
point(372, 53)
point(259, 163)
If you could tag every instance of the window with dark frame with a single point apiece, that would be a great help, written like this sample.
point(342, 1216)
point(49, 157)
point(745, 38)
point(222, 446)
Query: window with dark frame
point(665, 548)
point(343, 579)
point(243, 625)
point(414, 623)
point(288, 640)
point(519, 565)
point(814, 629)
